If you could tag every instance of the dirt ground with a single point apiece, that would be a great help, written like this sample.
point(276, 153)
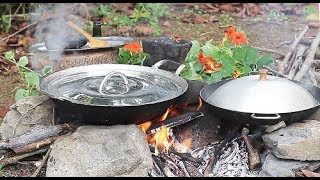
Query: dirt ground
point(261, 33)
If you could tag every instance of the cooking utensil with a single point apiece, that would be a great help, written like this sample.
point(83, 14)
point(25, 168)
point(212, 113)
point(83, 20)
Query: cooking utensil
point(93, 43)
point(114, 93)
point(114, 43)
point(261, 99)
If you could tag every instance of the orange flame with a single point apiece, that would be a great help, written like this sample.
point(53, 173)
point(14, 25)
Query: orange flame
point(145, 126)
point(187, 143)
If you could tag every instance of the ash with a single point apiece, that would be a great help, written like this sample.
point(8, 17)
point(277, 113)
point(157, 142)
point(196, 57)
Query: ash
point(233, 162)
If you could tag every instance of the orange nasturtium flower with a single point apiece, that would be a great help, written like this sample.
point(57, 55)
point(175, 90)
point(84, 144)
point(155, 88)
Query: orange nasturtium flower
point(230, 32)
point(239, 38)
point(209, 63)
point(236, 74)
point(134, 47)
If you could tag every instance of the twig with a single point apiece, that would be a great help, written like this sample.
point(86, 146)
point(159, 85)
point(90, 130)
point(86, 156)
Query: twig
point(297, 61)
point(309, 59)
point(209, 168)
point(14, 14)
point(15, 159)
point(275, 72)
point(294, 45)
point(270, 51)
point(17, 32)
point(312, 78)
point(44, 160)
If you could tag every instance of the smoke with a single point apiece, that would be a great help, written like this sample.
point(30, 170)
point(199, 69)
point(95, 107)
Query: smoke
point(52, 30)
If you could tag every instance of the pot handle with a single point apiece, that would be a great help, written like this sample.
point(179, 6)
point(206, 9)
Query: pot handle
point(114, 73)
point(165, 61)
point(277, 116)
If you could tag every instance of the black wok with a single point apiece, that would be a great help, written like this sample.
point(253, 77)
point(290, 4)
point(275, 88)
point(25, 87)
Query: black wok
point(246, 118)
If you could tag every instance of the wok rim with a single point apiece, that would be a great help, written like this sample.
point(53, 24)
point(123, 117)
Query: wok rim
point(248, 112)
point(142, 69)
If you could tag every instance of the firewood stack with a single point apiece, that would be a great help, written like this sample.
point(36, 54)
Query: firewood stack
point(301, 62)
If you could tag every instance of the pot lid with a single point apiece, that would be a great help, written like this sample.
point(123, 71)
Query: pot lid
point(262, 94)
point(113, 85)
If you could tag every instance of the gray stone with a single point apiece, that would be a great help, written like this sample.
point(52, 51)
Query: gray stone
point(25, 114)
point(298, 141)
point(274, 167)
point(101, 151)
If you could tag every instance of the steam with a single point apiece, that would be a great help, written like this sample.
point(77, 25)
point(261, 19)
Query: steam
point(52, 29)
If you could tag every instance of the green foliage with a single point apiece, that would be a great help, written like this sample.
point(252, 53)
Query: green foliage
point(229, 61)
point(30, 78)
point(226, 19)
point(101, 11)
point(132, 53)
point(308, 10)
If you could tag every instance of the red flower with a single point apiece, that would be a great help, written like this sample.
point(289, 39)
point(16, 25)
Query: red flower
point(230, 32)
point(239, 38)
point(134, 47)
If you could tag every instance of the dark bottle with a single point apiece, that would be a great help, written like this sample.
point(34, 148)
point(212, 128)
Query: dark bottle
point(96, 31)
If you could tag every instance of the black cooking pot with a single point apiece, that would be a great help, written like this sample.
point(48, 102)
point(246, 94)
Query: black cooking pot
point(109, 94)
point(261, 99)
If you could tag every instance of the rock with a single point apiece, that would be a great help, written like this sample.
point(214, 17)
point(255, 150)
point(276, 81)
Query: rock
point(120, 150)
point(14, 125)
point(299, 141)
point(274, 167)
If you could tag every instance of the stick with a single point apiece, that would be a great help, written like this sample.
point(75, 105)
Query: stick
point(309, 59)
point(312, 78)
point(12, 160)
point(44, 160)
point(209, 168)
point(294, 45)
point(14, 14)
point(38, 144)
point(297, 61)
point(36, 134)
point(17, 32)
point(254, 158)
point(270, 51)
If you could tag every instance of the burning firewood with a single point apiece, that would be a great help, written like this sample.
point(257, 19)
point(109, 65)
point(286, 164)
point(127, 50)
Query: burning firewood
point(254, 158)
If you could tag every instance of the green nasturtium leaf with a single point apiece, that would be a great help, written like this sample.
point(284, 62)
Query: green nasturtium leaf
point(245, 70)
point(47, 70)
point(208, 49)
point(9, 55)
point(20, 94)
point(23, 61)
point(193, 52)
point(34, 93)
point(264, 60)
point(33, 79)
point(215, 77)
point(252, 55)
point(190, 74)
point(239, 53)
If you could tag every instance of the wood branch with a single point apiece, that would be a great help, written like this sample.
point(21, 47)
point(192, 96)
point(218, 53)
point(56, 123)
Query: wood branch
point(193, 170)
point(253, 155)
point(283, 64)
point(209, 168)
point(17, 32)
point(312, 77)
point(183, 169)
point(44, 160)
point(12, 160)
point(38, 144)
point(36, 134)
point(159, 163)
point(297, 61)
point(309, 59)
point(270, 51)
point(275, 72)
point(185, 156)
point(304, 41)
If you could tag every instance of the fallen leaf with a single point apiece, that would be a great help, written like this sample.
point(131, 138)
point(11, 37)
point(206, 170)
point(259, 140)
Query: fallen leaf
point(25, 41)
point(14, 69)
point(197, 19)
point(13, 40)
point(254, 9)
point(310, 173)
point(314, 24)
point(143, 30)
point(166, 23)
point(3, 112)
point(124, 29)
point(127, 5)
point(227, 7)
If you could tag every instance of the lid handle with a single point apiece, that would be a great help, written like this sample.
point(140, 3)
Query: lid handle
point(108, 76)
point(263, 74)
